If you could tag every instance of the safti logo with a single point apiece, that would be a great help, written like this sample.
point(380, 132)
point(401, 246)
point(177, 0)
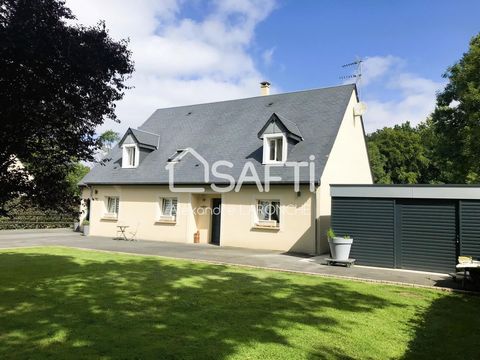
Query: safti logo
point(248, 175)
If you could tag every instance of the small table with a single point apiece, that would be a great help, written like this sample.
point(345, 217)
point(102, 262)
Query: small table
point(348, 262)
point(122, 229)
point(473, 265)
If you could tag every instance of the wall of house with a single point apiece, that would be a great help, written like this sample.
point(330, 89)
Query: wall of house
point(296, 232)
point(140, 209)
point(347, 163)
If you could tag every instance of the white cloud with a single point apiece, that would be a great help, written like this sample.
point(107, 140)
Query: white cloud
point(375, 67)
point(267, 56)
point(179, 60)
point(412, 97)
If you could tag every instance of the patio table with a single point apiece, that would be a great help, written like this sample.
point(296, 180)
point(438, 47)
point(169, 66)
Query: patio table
point(122, 229)
point(468, 266)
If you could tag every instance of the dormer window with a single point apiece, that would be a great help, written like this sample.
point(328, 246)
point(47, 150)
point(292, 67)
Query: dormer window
point(130, 156)
point(274, 149)
point(276, 134)
point(135, 142)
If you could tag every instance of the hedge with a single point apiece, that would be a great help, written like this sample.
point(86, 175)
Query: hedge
point(28, 219)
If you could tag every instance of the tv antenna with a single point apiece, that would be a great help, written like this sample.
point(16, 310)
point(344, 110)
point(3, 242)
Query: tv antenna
point(357, 72)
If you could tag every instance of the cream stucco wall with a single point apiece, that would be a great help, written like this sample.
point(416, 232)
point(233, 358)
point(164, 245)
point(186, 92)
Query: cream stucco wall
point(347, 164)
point(140, 209)
point(296, 232)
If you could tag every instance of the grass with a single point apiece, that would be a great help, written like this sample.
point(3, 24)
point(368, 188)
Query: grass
point(66, 303)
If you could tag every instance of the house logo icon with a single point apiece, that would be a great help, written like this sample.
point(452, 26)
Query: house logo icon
point(170, 167)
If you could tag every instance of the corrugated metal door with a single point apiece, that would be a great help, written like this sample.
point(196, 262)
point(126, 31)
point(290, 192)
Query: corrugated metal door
point(371, 224)
point(470, 228)
point(426, 235)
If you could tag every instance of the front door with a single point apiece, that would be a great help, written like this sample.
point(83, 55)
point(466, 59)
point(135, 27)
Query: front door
point(216, 215)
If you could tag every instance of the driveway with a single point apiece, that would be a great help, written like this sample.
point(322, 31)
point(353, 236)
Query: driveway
point(226, 255)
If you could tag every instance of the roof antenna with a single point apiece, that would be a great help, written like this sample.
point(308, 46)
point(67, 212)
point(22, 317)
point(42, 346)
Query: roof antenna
point(357, 73)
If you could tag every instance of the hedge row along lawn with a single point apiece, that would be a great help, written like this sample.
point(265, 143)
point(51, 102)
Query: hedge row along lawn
point(66, 303)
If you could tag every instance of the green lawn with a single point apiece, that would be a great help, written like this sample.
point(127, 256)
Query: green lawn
point(64, 303)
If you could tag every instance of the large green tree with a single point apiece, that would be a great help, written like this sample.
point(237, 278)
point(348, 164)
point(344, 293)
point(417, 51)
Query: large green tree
point(456, 119)
point(58, 83)
point(397, 155)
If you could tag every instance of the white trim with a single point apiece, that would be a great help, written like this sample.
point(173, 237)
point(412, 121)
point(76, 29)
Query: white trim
point(125, 156)
point(108, 215)
point(257, 223)
point(166, 218)
point(407, 192)
point(266, 148)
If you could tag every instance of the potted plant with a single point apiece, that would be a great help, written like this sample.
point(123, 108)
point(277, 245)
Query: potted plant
point(339, 246)
point(86, 227)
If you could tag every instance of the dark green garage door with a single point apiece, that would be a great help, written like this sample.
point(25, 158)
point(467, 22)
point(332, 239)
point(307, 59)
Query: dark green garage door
point(470, 228)
point(371, 223)
point(427, 235)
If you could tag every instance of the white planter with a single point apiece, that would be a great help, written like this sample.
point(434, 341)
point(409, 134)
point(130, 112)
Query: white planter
point(340, 248)
point(86, 230)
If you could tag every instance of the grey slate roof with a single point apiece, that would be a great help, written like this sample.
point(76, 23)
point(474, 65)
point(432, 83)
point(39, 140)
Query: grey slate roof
point(227, 130)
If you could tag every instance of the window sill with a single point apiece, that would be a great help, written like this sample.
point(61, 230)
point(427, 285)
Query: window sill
point(278, 163)
point(265, 227)
point(166, 222)
point(109, 218)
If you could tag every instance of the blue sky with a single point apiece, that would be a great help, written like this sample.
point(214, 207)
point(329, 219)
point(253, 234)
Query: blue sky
point(209, 50)
point(313, 38)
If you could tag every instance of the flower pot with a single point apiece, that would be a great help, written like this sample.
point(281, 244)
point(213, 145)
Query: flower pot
point(340, 248)
point(86, 230)
point(76, 226)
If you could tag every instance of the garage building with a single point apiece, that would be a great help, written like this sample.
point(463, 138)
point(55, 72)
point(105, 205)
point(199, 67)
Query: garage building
point(419, 227)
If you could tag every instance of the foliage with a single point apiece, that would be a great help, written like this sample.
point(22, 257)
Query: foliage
point(446, 147)
point(108, 138)
point(77, 172)
point(24, 216)
point(330, 233)
point(397, 155)
point(456, 119)
point(58, 82)
point(87, 304)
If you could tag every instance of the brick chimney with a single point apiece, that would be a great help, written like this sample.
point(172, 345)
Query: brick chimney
point(265, 88)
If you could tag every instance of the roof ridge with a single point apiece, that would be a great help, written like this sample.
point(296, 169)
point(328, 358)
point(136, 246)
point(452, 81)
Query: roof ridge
point(258, 96)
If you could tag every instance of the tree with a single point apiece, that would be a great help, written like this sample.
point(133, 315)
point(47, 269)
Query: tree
point(58, 83)
point(108, 139)
point(397, 155)
point(456, 119)
point(76, 174)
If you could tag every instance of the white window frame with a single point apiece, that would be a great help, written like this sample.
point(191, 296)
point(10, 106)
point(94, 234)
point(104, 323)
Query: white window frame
point(170, 217)
point(266, 148)
point(126, 163)
point(270, 223)
point(108, 214)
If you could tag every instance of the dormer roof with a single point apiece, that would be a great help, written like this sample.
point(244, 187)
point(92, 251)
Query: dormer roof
point(280, 124)
point(144, 139)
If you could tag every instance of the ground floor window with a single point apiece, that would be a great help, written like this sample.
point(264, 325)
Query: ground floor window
point(268, 212)
point(112, 205)
point(169, 208)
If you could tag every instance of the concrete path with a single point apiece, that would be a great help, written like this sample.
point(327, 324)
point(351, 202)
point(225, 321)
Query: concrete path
point(227, 255)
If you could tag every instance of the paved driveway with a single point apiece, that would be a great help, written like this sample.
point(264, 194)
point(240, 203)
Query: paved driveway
point(228, 255)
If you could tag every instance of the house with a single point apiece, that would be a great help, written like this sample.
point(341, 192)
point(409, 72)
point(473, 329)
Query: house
point(249, 173)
